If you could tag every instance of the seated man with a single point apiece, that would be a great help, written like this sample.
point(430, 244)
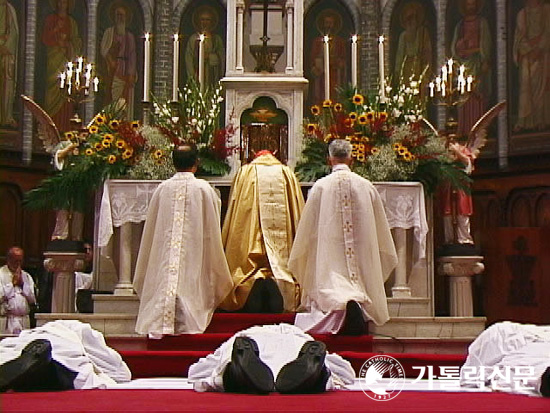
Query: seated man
point(181, 273)
point(264, 208)
point(343, 251)
point(16, 293)
point(60, 355)
point(263, 359)
point(510, 357)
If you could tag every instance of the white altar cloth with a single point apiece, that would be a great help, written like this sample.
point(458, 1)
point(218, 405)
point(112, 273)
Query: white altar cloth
point(126, 201)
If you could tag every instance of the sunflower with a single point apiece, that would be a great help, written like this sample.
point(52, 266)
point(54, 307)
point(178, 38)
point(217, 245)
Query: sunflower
point(374, 151)
point(353, 116)
point(98, 146)
point(158, 154)
point(358, 99)
point(383, 116)
point(100, 119)
point(315, 110)
point(311, 127)
point(89, 151)
point(69, 135)
point(363, 119)
point(114, 124)
point(396, 146)
point(127, 154)
point(361, 157)
point(135, 124)
point(106, 143)
point(328, 137)
point(327, 103)
point(108, 137)
point(120, 144)
point(402, 150)
point(111, 159)
point(338, 107)
point(370, 116)
point(93, 129)
point(407, 156)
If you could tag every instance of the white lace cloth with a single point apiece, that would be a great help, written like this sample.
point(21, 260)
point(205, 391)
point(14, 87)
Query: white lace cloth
point(126, 201)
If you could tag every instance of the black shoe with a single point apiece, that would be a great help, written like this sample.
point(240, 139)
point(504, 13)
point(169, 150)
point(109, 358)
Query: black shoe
point(246, 373)
point(15, 373)
point(354, 325)
point(255, 300)
point(545, 383)
point(306, 374)
point(272, 297)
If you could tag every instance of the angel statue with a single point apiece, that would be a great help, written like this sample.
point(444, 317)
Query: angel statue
point(69, 221)
point(457, 204)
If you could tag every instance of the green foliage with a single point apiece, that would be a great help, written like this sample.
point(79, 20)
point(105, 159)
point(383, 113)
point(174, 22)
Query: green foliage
point(314, 161)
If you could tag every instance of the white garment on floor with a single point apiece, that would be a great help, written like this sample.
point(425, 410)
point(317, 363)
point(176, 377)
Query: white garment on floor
point(501, 355)
point(278, 345)
point(76, 346)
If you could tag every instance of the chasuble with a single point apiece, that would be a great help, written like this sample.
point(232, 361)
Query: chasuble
point(181, 273)
point(343, 250)
point(264, 208)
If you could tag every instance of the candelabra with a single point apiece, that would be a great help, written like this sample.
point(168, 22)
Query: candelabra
point(79, 81)
point(451, 90)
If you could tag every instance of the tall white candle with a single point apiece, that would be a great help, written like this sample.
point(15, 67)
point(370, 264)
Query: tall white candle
point(381, 67)
point(96, 84)
point(201, 59)
point(469, 79)
point(146, 66)
point(176, 67)
point(431, 85)
point(326, 56)
point(80, 61)
point(450, 63)
point(354, 60)
point(62, 76)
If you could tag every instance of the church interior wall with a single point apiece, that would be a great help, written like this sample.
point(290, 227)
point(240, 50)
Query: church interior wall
point(511, 182)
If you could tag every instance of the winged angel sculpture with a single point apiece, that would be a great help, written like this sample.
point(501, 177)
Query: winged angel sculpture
point(69, 221)
point(456, 204)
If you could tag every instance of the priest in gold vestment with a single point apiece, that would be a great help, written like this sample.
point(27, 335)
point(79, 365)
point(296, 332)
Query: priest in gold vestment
point(263, 212)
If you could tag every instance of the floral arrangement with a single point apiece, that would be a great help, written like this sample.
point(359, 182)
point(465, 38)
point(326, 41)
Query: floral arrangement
point(390, 140)
point(195, 118)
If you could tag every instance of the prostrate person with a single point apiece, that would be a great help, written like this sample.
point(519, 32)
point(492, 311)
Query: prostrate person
point(16, 293)
point(510, 357)
point(343, 251)
point(264, 208)
point(181, 272)
point(60, 355)
point(263, 359)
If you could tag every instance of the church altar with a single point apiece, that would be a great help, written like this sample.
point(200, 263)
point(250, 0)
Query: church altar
point(121, 210)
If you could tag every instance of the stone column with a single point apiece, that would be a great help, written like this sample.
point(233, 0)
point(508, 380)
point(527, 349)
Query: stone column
point(460, 270)
point(124, 286)
point(63, 265)
point(400, 288)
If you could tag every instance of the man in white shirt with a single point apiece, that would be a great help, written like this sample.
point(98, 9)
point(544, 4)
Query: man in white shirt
point(181, 272)
point(16, 293)
point(343, 251)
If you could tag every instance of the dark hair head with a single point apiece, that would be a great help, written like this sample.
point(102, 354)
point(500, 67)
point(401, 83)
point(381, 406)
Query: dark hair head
point(185, 157)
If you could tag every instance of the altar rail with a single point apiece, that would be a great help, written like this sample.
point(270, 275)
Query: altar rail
point(122, 206)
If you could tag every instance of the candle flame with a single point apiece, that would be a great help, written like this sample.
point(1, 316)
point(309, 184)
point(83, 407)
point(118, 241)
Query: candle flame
point(325, 38)
point(381, 39)
point(354, 38)
point(147, 36)
point(176, 37)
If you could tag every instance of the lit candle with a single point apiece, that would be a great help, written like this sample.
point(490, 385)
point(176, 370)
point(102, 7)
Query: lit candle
point(461, 83)
point(201, 59)
point(443, 86)
point(175, 67)
point(438, 83)
point(62, 76)
point(381, 66)
point(69, 75)
point(450, 64)
point(87, 77)
point(354, 60)
point(146, 66)
point(326, 56)
point(431, 85)
point(80, 61)
point(469, 79)
point(444, 73)
point(461, 70)
point(96, 84)
point(77, 78)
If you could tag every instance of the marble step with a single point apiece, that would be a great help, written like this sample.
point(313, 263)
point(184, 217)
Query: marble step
point(467, 328)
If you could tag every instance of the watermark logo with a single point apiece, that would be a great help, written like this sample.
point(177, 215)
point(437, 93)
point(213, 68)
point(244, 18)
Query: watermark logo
point(382, 378)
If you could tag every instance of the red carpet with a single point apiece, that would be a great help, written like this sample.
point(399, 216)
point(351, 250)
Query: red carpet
point(187, 400)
